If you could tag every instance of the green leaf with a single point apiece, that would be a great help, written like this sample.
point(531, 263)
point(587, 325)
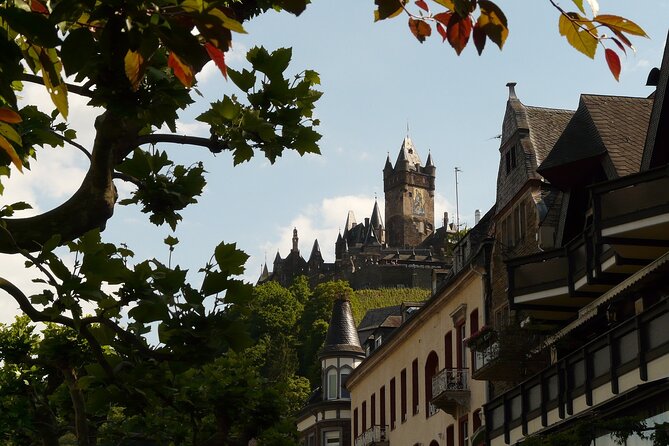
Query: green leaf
point(387, 9)
point(78, 50)
point(230, 260)
point(35, 27)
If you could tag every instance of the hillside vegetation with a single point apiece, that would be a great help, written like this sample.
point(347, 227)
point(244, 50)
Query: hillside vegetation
point(364, 300)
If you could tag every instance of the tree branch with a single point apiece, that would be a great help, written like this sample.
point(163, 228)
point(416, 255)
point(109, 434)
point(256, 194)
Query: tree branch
point(76, 89)
point(33, 313)
point(214, 145)
point(73, 143)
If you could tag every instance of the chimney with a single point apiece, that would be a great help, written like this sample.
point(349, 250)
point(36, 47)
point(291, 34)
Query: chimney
point(477, 217)
point(445, 219)
point(512, 90)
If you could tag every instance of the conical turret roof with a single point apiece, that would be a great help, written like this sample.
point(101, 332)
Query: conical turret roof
point(376, 221)
point(408, 153)
point(342, 337)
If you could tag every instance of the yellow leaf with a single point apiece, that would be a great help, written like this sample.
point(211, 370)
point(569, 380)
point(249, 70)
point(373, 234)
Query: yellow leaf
point(192, 5)
point(231, 24)
point(181, 70)
point(621, 24)
point(492, 22)
point(446, 4)
point(134, 68)
point(8, 132)
point(9, 150)
point(580, 33)
point(47, 59)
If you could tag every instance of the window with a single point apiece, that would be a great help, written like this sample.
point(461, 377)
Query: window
point(356, 432)
point(431, 369)
point(331, 438)
point(510, 159)
point(393, 404)
point(382, 406)
point(448, 350)
point(372, 408)
point(403, 394)
point(345, 372)
point(332, 384)
point(450, 435)
point(462, 351)
point(377, 342)
point(311, 440)
point(464, 431)
point(414, 386)
point(364, 415)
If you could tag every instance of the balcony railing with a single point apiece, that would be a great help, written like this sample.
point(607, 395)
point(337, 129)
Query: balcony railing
point(508, 354)
point(375, 435)
point(450, 389)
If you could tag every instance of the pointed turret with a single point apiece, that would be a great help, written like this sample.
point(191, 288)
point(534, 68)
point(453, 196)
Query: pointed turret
point(376, 221)
point(428, 162)
point(408, 158)
point(342, 337)
point(350, 222)
point(264, 274)
point(389, 166)
point(315, 252)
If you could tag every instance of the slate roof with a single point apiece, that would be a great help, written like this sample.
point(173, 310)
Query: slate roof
point(376, 316)
point(409, 153)
point(342, 337)
point(545, 125)
point(603, 124)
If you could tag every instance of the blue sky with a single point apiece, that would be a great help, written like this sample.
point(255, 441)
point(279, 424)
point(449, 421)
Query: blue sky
point(377, 79)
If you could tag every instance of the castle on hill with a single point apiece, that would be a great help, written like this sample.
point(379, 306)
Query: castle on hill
point(402, 253)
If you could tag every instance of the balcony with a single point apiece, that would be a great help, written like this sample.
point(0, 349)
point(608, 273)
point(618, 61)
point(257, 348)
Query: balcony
point(374, 436)
point(450, 389)
point(506, 354)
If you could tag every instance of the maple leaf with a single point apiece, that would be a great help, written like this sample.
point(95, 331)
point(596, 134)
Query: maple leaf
point(181, 70)
point(218, 57)
point(134, 68)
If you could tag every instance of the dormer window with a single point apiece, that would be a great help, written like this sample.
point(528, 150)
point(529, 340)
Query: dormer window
point(510, 159)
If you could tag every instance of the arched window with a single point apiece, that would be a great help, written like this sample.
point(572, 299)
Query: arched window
point(331, 384)
point(431, 369)
point(345, 372)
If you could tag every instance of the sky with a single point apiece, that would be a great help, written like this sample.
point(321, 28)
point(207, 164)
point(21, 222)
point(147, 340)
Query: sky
point(379, 84)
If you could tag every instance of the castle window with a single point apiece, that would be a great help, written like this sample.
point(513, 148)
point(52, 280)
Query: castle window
point(403, 394)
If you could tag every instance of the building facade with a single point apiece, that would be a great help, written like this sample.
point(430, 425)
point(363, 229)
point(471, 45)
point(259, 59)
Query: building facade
point(603, 288)
point(415, 387)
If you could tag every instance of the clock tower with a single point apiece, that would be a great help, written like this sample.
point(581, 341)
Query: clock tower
point(409, 193)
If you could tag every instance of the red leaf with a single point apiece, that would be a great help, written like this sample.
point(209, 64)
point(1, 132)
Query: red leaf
point(218, 57)
point(37, 6)
point(442, 31)
point(422, 5)
point(443, 17)
point(420, 29)
point(10, 116)
point(181, 70)
point(479, 38)
point(620, 45)
point(614, 62)
point(458, 31)
point(624, 39)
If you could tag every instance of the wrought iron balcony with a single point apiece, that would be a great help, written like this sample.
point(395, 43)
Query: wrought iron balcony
point(374, 436)
point(509, 354)
point(450, 389)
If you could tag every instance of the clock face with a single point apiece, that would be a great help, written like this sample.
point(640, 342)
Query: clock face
point(418, 202)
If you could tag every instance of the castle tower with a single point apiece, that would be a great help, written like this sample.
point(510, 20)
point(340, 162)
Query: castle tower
point(409, 193)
